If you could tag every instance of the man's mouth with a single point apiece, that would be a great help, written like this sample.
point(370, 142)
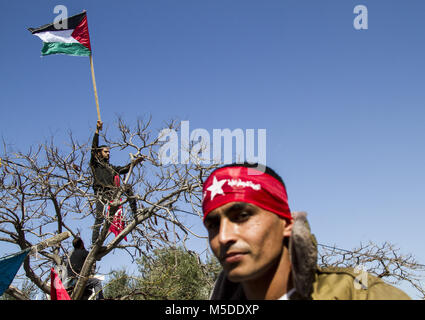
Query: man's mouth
point(233, 257)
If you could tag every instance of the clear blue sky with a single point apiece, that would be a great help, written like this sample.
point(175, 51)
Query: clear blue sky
point(344, 109)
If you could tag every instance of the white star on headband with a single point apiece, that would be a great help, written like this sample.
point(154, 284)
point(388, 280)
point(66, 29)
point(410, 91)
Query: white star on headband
point(216, 187)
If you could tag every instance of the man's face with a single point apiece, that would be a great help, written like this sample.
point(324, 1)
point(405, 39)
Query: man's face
point(247, 240)
point(104, 153)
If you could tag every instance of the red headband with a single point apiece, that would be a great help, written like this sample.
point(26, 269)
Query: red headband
point(241, 184)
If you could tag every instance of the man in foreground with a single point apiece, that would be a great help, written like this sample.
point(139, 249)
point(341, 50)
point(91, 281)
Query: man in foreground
point(265, 251)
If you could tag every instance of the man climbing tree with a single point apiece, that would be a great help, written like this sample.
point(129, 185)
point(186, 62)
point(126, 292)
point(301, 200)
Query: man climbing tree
point(106, 181)
point(75, 264)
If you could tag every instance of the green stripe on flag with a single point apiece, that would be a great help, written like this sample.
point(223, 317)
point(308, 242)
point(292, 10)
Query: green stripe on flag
point(73, 49)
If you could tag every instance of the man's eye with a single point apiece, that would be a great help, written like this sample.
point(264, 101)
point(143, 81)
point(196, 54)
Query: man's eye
point(211, 225)
point(242, 216)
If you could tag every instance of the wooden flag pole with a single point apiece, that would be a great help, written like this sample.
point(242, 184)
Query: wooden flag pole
point(94, 87)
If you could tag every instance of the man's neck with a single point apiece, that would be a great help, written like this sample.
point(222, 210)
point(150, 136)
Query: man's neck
point(103, 160)
point(272, 285)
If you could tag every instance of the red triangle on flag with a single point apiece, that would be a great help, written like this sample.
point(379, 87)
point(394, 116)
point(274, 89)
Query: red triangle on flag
point(81, 33)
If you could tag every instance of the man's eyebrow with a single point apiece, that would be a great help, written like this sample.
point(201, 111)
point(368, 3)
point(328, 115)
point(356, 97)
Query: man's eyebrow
point(238, 206)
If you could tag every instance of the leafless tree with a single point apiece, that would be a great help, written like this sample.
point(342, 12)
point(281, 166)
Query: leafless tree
point(384, 261)
point(45, 190)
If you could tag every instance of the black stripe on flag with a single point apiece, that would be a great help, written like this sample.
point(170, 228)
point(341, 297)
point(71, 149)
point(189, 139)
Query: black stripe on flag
point(73, 22)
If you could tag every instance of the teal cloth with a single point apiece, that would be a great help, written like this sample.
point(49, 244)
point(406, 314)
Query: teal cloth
point(9, 266)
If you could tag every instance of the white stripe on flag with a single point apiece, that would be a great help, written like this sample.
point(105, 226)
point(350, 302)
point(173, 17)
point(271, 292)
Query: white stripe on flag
point(63, 36)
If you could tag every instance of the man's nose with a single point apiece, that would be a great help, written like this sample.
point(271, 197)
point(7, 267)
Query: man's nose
point(227, 233)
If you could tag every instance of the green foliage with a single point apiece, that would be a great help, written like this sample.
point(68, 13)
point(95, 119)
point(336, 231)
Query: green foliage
point(173, 274)
point(120, 285)
point(27, 288)
point(168, 273)
point(6, 296)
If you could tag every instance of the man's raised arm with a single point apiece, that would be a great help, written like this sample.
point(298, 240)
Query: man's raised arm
point(126, 168)
point(95, 143)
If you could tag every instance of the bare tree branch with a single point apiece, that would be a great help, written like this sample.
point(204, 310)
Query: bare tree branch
point(44, 190)
point(384, 261)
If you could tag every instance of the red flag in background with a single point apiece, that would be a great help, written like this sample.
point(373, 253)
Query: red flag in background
point(117, 224)
point(57, 290)
point(117, 181)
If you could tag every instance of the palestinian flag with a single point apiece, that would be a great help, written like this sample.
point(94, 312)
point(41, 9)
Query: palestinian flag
point(74, 40)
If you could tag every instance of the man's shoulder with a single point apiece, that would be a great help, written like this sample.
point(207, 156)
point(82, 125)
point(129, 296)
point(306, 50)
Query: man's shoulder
point(340, 271)
point(79, 253)
point(335, 283)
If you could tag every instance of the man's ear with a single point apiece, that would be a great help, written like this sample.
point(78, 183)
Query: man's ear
point(288, 227)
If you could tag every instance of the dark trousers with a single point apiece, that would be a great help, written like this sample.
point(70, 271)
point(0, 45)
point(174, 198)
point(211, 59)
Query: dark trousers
point(92, 283)
point(102, 203)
